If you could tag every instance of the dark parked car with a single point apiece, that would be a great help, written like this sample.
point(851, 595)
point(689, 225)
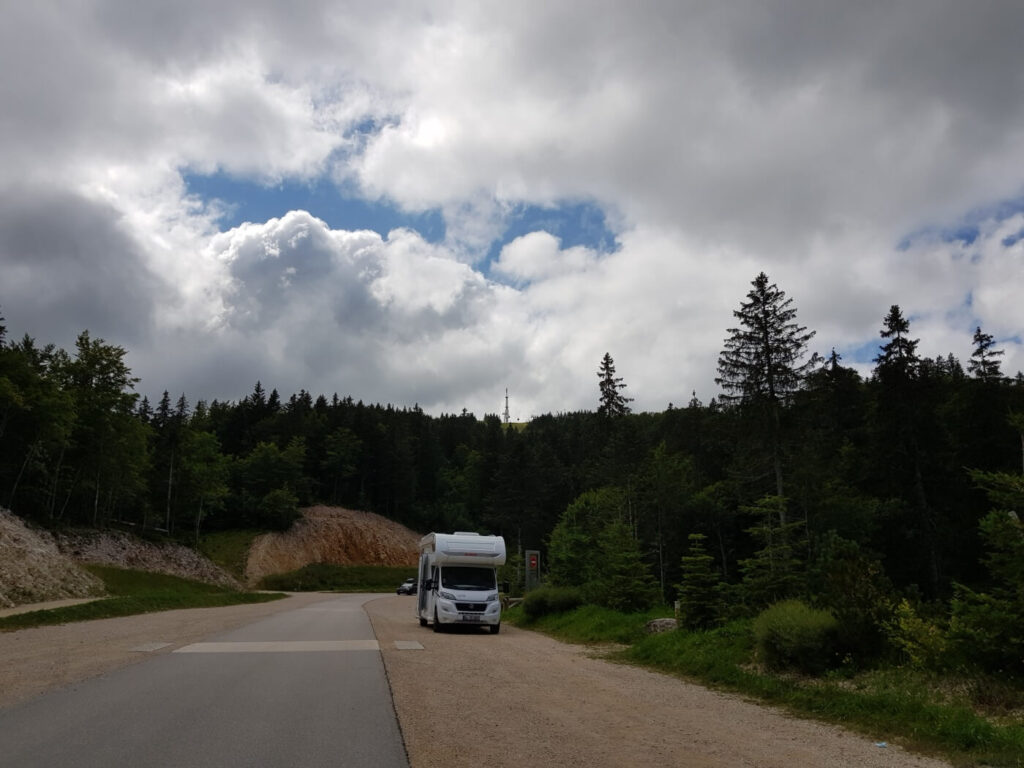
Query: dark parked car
point(407, 587)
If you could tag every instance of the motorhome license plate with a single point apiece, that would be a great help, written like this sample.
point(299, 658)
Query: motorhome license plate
point(469, 617)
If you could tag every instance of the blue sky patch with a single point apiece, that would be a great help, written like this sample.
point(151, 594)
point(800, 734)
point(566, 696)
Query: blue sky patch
point(250, 201)
point(1013, 239)
point(574, 223)
point(865, 353)
point(968, 230)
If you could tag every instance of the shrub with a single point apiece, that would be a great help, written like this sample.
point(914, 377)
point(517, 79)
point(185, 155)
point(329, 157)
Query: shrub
point(792, 635)
point(852, 585)
point(547, 600)
point(922, 643)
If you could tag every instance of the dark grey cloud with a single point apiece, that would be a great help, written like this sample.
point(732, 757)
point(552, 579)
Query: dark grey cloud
point(67, 267)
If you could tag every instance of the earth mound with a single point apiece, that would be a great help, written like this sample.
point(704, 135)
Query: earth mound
point(34, 570)
point(332, 535)
point(122, 550)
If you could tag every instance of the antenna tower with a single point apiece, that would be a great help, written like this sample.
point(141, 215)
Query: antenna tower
point(505, 414)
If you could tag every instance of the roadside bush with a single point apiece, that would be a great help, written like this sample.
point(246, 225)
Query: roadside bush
point(547, 600)
point(922, 643)
point(851, 584)
point(792, 635)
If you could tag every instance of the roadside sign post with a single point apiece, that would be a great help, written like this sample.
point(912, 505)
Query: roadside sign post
point(532, 569)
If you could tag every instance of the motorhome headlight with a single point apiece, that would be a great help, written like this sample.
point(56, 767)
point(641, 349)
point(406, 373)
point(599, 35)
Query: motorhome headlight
point(492, 598)
point(445, 595)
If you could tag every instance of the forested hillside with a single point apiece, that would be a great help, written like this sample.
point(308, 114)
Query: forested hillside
point(799, 465)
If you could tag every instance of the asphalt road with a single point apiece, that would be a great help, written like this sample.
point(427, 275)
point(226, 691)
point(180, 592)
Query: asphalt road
point(304, 687)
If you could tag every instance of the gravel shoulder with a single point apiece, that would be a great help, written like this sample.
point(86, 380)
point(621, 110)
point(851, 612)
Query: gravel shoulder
point(520, 698)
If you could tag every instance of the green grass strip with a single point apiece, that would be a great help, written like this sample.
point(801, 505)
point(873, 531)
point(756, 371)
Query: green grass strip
point(135, 592)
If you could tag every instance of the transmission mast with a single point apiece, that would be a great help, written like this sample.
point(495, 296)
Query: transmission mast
point(505, 416)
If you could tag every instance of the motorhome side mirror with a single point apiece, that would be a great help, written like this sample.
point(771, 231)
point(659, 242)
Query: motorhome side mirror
point(428, 583)
point(504, 587)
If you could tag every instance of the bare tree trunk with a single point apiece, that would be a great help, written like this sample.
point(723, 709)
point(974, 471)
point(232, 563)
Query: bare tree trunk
point(56, 479)
point(170, 485)
point(67, 499)
point(199, 518)
point(96, 501)
point(14, 489)
point(777, 458)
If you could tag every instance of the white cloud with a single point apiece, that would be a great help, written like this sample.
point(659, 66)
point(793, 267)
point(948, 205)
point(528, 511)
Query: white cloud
point(805, 140)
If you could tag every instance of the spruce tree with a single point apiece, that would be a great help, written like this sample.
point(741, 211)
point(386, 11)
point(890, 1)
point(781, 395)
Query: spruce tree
point(762, 363)
point(698, 596)
point(762, 357)
point(984, 364)
point(898, 358)
point(776, 571)
point(624, 581)
point(613, 402)
point(906, 444)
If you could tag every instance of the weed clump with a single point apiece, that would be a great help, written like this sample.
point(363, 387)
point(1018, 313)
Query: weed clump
point(547, 600)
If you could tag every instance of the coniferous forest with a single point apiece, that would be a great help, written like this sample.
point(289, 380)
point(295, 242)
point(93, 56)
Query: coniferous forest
point(890, 500)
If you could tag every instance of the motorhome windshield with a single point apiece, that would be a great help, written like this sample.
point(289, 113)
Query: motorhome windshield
point(467, 577)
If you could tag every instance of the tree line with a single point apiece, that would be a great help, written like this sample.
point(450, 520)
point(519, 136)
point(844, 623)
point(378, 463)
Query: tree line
point(800, 455)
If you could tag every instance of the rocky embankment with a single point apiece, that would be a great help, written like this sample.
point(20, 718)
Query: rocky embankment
point(38, 565)
point(123, 550)
point(332, 535)
point(33, 569)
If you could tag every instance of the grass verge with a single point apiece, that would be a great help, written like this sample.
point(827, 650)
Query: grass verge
point(919, 711)
point(134, 592)
point(325, 577)
point(228, 549)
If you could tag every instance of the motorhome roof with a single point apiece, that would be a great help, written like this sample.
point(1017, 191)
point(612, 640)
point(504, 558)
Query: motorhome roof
point(466, 548)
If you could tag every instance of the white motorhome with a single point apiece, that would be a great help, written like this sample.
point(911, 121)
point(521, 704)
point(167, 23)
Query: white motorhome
point(458, 580)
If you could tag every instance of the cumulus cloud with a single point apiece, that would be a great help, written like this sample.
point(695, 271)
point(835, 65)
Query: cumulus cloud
point(828, 145)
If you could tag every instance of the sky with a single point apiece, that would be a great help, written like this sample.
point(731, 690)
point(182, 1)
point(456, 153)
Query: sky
point(430, 203)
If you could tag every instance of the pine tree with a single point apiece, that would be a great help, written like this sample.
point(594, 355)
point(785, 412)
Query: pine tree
point(984, 364)
point(761, 363)
point(698, 596)
point(899, 357)
point(761, 359)
point(613, 402)
point(906, 447)
point(145, 410)
point(624, 582)
point(775, 572)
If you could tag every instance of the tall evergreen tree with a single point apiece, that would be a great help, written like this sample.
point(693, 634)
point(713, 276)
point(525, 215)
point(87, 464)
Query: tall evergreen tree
point(984, 364)
point(613, 402)
point(762, 363)
point(907, 448)
point(898, 358)
point(762, 357)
